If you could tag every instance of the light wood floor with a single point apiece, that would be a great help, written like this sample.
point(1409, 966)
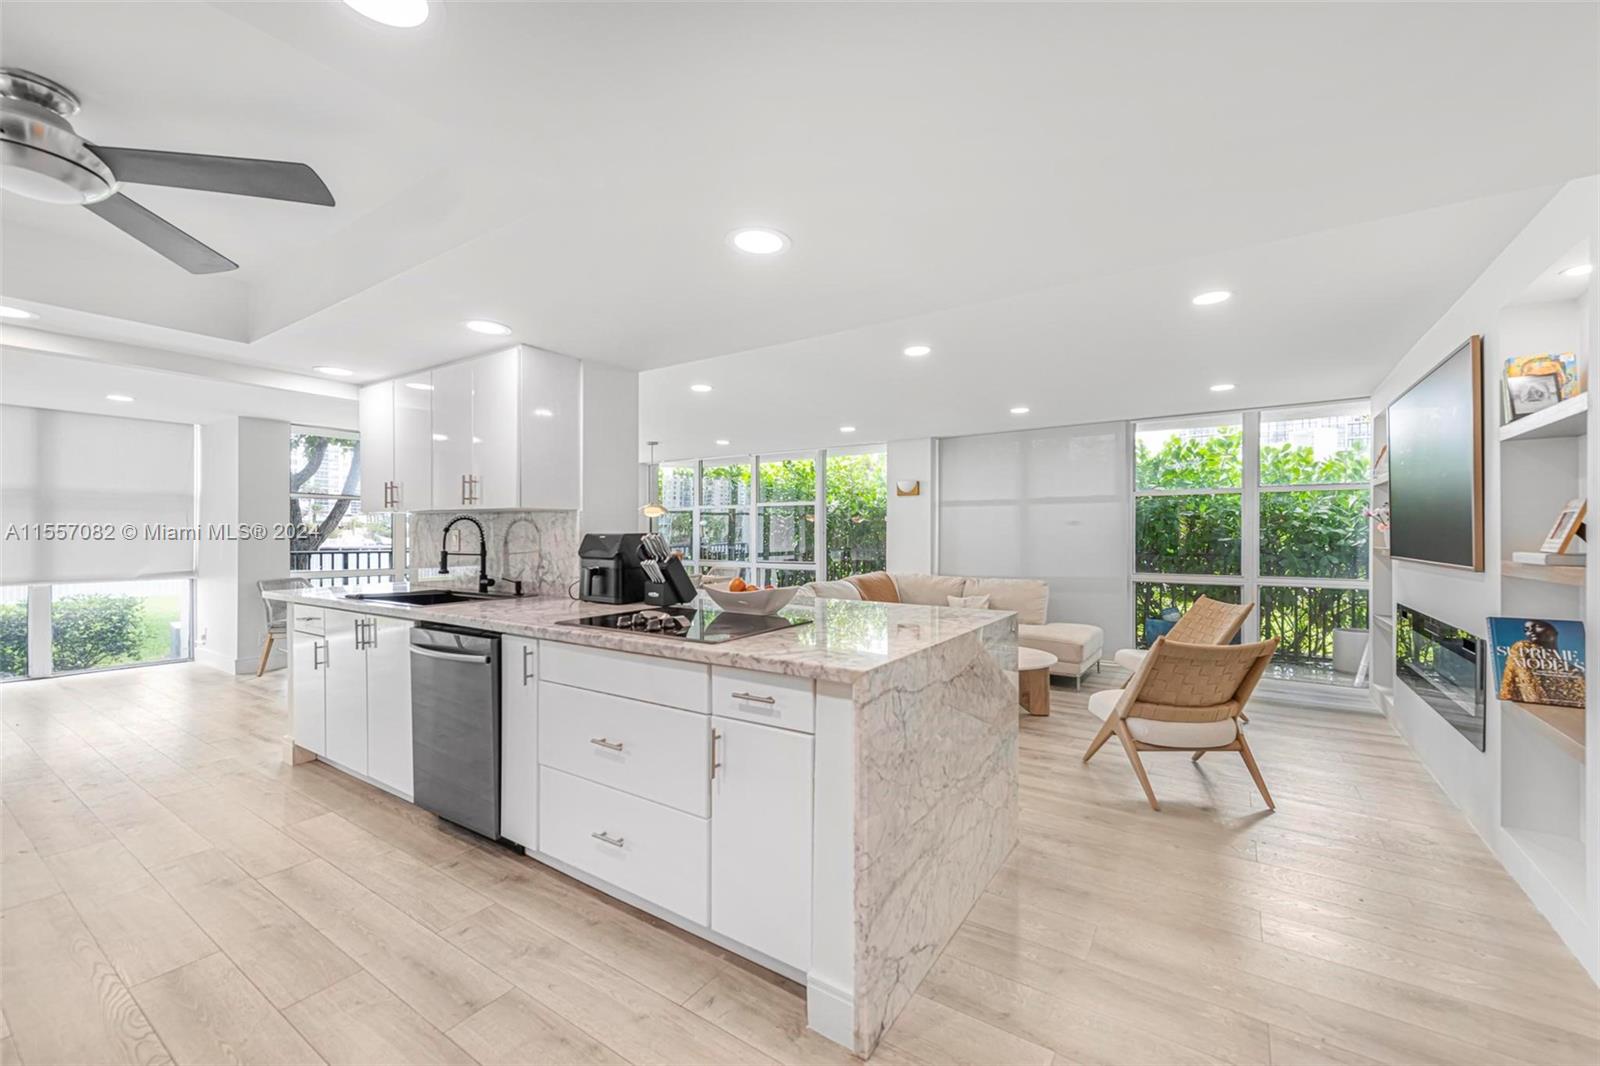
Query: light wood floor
point(172, 891)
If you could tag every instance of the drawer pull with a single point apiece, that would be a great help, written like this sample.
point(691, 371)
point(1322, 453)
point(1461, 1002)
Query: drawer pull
point(609, 745)
point(606, 838)
point(751, 697)
point(716, 735)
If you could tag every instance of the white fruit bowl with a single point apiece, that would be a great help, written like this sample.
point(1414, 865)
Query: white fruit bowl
point(761, 601)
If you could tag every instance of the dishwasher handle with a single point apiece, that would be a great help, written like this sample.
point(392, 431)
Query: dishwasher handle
point(448, 656)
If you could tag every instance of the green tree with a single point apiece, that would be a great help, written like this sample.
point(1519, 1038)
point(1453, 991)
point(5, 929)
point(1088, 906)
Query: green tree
point(98, 630)
point(14, 639)
point(858, 513)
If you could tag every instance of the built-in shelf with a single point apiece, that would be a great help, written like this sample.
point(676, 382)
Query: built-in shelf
point(1569, 418)
point(1563, 725)
point(1561, 859)
point(1555, 575)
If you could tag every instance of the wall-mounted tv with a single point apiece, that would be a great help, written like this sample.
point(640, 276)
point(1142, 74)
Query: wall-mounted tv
point(1436, 464)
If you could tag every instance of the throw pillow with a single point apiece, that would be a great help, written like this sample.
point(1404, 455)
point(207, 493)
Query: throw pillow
point(979, 602)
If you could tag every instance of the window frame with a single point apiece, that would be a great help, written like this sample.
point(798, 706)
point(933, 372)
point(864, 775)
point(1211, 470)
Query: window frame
point(1249, 580)
point(397, 527)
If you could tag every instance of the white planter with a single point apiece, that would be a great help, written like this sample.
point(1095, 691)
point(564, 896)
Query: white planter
point(1348, 647)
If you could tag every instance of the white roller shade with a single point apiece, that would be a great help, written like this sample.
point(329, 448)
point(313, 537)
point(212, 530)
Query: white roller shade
point(1050, 504)
point(108, 473)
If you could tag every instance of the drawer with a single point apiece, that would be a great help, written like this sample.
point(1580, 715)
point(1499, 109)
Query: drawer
point(638, 677)
point(771, 699)
point(655, 852)
point(307, 619)
point(647, 750)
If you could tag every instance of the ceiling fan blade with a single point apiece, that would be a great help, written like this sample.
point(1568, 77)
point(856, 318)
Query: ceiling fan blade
point(266, 178)
point(151, 229)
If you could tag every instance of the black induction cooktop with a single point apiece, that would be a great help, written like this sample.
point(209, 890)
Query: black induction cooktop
point(703, 626)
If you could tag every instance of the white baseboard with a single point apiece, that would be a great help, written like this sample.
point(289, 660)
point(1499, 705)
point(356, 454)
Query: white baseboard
point(830, 1011)
point(218, 660)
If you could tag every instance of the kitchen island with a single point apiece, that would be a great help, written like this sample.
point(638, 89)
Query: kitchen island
point(828, 800)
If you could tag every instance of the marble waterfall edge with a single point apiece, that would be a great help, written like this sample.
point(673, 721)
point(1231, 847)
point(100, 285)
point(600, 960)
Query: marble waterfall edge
point(538, 548)
point(936, 808)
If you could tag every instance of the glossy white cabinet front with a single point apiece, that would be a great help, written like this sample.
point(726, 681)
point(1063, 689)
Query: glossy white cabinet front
point(350, 679)
point(519, 741)
point(550, 422)
point(388, 660)
point(396, 420)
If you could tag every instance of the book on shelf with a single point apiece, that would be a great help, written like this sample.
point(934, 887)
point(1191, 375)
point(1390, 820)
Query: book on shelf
point(1538, 660)
point(1548, 558)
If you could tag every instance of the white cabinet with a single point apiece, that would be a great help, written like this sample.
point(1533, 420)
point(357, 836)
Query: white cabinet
point(308, 703)
point(388, 660)
point(350, 677)
point(494, 429)
point(643, 749)
point(550, 423)
point(344, 675)
point(474, 432)
point(375, 417)
point(519, 741)
point(396, 419)
point(451, 435)
point(761, 839)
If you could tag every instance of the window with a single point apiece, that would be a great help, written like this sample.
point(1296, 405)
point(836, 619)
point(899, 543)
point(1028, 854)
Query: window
point(13, 631)
point(767, 517)
point(123, 623)
point(1266, 506)
point(337, 543)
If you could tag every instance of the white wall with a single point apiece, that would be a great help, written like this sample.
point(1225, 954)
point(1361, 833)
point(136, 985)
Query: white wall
point(610, 449)
point(911, 518)
point(244, 480)
point(1472, 778)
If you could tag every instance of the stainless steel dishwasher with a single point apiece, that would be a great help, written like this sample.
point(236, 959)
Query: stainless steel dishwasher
point(455, 725)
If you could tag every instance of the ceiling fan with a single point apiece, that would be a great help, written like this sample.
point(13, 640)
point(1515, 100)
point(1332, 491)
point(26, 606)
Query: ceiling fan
point(41, 157)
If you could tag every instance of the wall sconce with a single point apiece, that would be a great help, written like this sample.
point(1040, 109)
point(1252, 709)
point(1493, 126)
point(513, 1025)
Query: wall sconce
point(908, 488)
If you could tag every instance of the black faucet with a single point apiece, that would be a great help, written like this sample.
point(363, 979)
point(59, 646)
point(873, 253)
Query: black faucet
point(484, 580)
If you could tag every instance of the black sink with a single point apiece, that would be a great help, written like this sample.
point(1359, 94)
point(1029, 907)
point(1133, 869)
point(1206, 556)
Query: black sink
point(419, 597)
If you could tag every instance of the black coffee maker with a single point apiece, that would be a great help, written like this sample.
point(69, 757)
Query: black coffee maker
point(608, 568)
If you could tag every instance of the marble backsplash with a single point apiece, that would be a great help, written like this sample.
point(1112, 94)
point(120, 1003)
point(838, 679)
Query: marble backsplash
point(538, 548)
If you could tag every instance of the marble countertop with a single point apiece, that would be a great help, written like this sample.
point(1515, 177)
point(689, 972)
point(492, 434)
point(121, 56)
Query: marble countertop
point(846, 641)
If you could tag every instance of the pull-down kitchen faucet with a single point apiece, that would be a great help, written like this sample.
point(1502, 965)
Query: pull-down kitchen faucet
point(484, 580)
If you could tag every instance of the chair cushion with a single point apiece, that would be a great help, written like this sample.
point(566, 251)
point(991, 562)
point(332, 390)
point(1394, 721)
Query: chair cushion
point(1130, 658)
point(835, 590)
point(1029, 599)
point(1166, 734)
point(1073, 643)
point(930, 590)
point(1183, 734)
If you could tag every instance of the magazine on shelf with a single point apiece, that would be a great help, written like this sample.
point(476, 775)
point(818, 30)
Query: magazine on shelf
point(1538, 660)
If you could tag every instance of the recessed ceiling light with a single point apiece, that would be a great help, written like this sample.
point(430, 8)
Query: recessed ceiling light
point(723, 443)
point(402, 14)
point(1019, 410)
point(420, 386)
point(699, 388)
point(1579, 271)
point(333, 371)
point(488, 328)
point(441, 436)
point(758, 241)
point(1222, 387)
point(918, 350)
point(1217, 296)
point(117, 397)
point(543, 412)
point(16, 313)
point(847, 429)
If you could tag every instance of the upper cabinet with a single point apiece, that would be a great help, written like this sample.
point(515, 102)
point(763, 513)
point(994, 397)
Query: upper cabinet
point(396, 452)
point(499, 431)
point(549, 425)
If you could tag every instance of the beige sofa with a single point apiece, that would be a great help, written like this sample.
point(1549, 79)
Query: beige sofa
point(1076, 646)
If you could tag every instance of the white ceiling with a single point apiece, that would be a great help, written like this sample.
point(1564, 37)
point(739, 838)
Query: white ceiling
point(572, 170)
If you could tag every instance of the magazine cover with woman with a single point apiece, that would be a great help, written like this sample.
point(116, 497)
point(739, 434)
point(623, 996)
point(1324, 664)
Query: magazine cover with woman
point(1539, 660)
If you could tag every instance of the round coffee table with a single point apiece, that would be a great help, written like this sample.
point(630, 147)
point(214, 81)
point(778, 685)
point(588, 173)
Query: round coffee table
point(1033, 680)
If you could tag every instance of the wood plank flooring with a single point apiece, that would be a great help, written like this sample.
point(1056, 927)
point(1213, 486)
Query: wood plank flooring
point(171, 891)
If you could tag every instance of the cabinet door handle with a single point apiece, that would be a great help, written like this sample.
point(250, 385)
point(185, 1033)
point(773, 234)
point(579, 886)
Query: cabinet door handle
point(751, 697)
point(527, 660)
point(397, 495)
point(317, 661)
point(465, 495)
point(372, 632)
point(609, 745)
point(716, 735)
point(606, 838)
